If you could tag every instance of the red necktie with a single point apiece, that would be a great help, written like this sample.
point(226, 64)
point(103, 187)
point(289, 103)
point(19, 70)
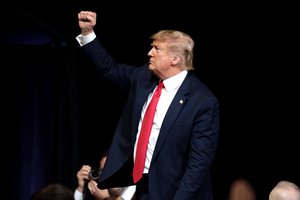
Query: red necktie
point(144, 135)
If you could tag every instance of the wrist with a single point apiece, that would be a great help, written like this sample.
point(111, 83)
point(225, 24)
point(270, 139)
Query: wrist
point(80, 189)
point(86, 32)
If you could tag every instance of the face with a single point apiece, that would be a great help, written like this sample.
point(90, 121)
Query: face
point(160, 59)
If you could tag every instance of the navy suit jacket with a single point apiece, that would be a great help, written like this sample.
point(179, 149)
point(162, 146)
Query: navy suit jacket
point(185, 149)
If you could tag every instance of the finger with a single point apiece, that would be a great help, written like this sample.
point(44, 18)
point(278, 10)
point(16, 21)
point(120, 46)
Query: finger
point(89, 186)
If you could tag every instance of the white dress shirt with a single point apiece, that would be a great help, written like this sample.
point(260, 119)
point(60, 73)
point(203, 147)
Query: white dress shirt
point(167, 95)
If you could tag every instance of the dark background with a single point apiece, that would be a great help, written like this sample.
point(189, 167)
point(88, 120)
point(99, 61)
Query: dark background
point(57, 115)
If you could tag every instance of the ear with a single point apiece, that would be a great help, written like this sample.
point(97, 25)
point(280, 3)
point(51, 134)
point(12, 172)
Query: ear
point(175, 60)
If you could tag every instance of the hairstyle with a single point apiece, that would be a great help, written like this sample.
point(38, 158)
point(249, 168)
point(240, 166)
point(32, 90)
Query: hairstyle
point(178, 43)
point(54, 191)
point(285, 190)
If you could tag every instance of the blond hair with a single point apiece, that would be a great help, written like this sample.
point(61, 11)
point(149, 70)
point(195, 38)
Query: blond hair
point(178, 43)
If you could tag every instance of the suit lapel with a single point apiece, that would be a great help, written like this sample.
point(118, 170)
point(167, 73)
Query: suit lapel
point(177, 104)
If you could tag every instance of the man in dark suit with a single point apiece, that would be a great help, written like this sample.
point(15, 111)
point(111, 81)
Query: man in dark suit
point(185, 129)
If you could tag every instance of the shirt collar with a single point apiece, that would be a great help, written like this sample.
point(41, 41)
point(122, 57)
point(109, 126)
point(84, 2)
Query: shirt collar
point(174, 82)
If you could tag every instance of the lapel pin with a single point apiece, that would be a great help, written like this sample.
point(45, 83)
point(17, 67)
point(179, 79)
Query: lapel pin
point(181, 101)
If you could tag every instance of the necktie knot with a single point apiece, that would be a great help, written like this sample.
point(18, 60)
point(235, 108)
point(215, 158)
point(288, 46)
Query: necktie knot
point(160, 86)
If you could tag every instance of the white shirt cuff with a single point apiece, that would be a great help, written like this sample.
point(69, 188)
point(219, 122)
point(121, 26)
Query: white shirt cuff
point(78, 195)
point(128, 192)
point(84, 39)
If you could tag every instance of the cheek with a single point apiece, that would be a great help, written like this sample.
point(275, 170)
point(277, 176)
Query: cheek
point(165, 62)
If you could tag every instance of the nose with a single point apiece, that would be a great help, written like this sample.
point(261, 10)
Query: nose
point(150, 52)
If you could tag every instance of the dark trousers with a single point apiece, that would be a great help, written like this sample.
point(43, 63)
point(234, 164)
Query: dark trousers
point(142, 192)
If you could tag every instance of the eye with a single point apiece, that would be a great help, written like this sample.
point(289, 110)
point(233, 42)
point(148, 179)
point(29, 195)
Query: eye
point(156, 48)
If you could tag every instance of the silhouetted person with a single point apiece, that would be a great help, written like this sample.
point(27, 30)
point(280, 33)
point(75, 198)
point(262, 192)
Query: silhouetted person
point(87, 185)
point(54, 191)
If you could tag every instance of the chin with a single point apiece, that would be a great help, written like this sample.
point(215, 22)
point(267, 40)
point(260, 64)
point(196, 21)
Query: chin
point(151, 67)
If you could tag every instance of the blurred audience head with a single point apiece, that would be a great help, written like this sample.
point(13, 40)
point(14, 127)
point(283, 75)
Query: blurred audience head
point(241, 189)
point(54, 191)
point(285, 190)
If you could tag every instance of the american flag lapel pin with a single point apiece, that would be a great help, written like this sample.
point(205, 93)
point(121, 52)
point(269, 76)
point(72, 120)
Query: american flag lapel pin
point(181, 101)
